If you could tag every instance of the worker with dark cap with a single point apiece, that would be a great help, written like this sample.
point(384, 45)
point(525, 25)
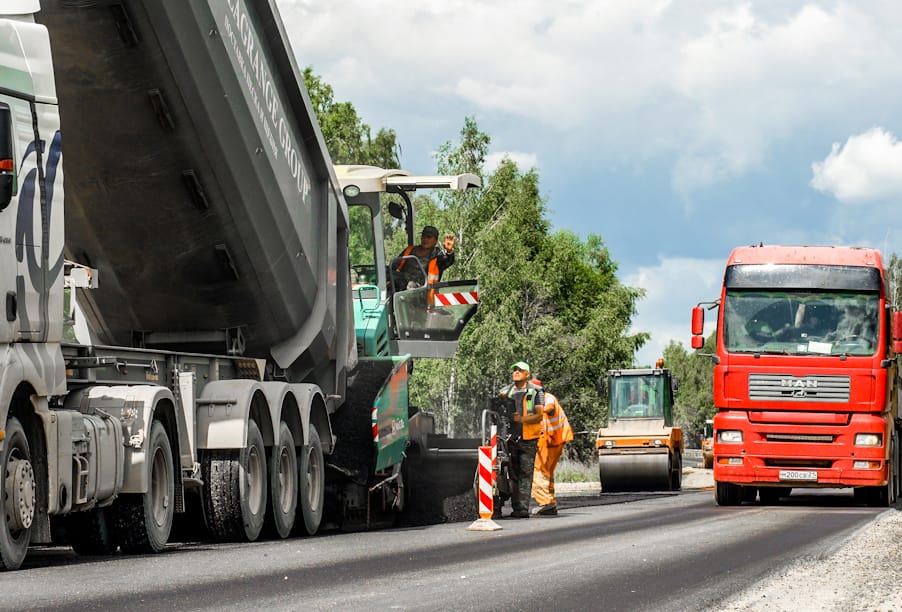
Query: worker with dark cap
point(433, 260)
point(529, 405)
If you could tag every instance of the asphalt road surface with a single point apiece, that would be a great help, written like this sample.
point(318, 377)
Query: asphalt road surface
point(626, 552)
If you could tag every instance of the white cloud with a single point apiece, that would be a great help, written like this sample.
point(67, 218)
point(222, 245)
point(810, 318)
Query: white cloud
point(868, 168)
point(672, 289)
point(713, 85)
point(525, 161)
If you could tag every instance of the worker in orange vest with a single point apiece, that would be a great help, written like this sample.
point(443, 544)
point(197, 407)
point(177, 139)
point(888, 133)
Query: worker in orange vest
point(433, 260)
point(556, 432)
point(526, 429)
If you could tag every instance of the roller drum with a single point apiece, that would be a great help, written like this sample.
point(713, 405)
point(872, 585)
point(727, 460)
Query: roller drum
point(634, 472)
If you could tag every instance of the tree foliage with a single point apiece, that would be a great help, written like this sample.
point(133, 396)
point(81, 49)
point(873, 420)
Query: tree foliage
point(546, 297)
point(348, 139)
point(694, 402)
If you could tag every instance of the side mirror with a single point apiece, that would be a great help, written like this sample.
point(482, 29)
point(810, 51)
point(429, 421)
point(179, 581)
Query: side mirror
point(897, 332)
point(396, 210)
point(698, 327)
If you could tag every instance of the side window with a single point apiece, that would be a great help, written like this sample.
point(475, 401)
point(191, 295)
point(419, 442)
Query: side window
point(361, 246)
point(7, 158)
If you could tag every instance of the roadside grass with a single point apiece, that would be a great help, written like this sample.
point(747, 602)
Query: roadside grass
point(575, 471)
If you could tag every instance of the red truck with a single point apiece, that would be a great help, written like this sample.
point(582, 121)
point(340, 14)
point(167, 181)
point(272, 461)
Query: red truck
point(805, 374)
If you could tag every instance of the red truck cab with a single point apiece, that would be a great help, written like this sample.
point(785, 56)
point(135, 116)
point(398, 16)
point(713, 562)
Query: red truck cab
point(804, 374)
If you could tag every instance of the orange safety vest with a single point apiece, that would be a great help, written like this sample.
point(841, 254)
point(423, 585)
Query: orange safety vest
point(432, 273)
point(531, 431)
point(555, 423)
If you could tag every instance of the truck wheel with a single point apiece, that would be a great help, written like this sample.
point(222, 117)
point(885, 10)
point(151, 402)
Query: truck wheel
point(313, 482)
point(727, 494)
point(283, 483)
point(92, 532)
point(18, 500)
point(235, 489)
point(144, 520)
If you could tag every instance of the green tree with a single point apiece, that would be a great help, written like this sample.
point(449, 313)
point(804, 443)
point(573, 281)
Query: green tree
point(893, 274)
point(546, 297)
point(694, 402)
point(348, 139)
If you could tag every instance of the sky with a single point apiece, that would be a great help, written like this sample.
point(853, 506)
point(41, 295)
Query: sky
point(674, 130)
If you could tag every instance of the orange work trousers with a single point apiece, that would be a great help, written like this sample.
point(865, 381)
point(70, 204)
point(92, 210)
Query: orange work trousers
point(543, 474)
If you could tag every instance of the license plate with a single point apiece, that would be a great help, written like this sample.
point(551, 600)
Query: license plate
point(809, 475)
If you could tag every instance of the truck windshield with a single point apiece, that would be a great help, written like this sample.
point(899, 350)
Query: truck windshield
point(801, 322)
point(637, 396)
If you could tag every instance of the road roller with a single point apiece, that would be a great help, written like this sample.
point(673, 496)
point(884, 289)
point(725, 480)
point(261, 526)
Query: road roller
point(639, 449)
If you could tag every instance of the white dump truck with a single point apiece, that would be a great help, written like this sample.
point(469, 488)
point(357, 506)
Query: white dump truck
point(206, 242)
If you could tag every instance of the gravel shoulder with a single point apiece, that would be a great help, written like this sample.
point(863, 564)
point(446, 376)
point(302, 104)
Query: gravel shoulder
point(862, 574)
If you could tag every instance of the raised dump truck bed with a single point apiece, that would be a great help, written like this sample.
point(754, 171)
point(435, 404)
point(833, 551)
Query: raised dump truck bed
point(206, 201)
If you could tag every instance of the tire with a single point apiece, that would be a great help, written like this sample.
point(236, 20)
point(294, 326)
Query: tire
point(18, 496)
point(312, 469)
point(92, 533)
point(144, 520)
point(727, 494)
point(283, 484)
point(235, 488)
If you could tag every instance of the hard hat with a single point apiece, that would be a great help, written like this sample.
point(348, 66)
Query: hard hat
point(521, 365)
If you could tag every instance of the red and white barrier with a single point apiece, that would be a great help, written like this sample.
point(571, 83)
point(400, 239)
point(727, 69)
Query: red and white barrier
point(486, 478)
point(461, 298)
point(486, 500)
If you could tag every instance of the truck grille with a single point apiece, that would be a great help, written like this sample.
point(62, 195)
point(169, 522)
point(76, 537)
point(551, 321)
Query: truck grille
point(789, 388)
point(773, 437)
point(798, 463)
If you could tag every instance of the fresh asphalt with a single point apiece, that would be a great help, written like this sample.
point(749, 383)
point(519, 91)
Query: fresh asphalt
point(624, 552)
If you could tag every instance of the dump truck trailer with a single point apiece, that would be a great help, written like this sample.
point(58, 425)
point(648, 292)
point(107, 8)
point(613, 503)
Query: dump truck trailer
point(206, 241)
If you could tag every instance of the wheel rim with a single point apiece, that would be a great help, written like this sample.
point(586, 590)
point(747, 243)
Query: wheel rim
point(160, 479)
point(19, 489)
point(314, 490)
point(286, 482)
point(254, 480)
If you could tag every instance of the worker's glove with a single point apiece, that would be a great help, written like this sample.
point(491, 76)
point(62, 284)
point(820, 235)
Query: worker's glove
point(449, 242)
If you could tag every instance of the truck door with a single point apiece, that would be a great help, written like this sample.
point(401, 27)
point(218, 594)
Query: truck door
point(7, 216)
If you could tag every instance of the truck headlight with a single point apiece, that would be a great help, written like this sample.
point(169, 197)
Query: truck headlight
point(868, 439)
point(730, 436)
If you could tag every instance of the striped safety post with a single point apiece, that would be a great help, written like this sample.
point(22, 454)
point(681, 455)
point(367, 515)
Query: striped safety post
point(486, 500)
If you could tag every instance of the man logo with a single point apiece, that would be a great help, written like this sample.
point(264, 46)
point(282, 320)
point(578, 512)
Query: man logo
point(798, 387)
